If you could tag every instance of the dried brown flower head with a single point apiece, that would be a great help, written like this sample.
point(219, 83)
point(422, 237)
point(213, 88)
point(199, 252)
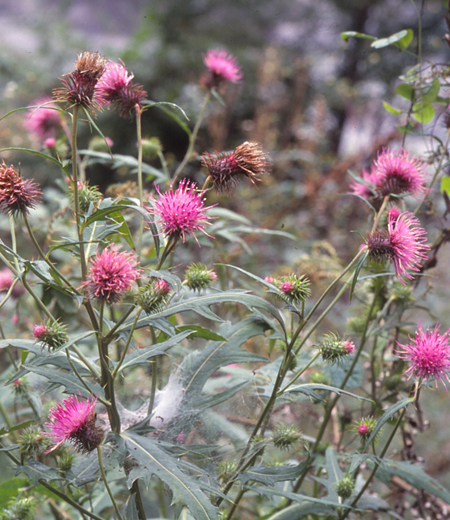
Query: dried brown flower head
point(227, 168)
point(78, 86)
point(17, 195)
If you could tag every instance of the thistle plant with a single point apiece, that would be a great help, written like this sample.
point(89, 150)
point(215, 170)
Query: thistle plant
point(147, 377)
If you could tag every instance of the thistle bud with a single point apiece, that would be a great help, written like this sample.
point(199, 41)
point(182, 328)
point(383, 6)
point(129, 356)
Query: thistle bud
point(21, 386)
point(151, 148)
point(32, 443)
point(66, 460)
point(345, 487)
point(225, 470)
point(364, 428)
point(293, 288)
point(285, 436)
point(334, 349)
point(100, 144)
point(198, 277)
point(20, 509)
point(53, 335)
point(87, 195)
point(153, 296)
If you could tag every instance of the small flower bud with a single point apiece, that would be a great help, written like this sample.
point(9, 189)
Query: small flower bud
point(100, 144)
point(86, 195)
point(32, 443)
point(20, 509)
point(293, 288)
point(285, 436)
point(66, 460)
point(21, 386)
point(151, 148)
point(333, 349)
point(345, 487)
point(53, 335)
point(364, 428)
point(226, 469)
point(153, 296)
point(198, 277)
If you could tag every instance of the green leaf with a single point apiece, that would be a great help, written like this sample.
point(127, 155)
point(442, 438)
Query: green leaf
point(392, 110)
point(35, 152)
point(10, 489)
point(37, 471)
point(431, 94)
point(400, 39)
point(200, 332)
point(298, 511)
point(4, 431)
point(154, 461)
point(308, 389)
point(353, 34)
point(406, 90)
point(270, 475)
point(209, 401)
point(388, 414)
point(445, 184)
point(358, 268)
point(423, 114)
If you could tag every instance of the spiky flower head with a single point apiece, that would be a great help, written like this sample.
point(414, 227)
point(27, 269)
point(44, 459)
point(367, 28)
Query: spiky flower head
point(74, 420)
point(32, 442)
point(222, 67)
point(66, 460)
point(345, 486)
point(112, 273)
point(19, 509)
point(17, 195)
point(226, 169)
point(153, 296)
point(364, 428)
point(366, 186)
point(334, 349)
point(428, 354)
point(87, 195)
point(284, 436)
point(293, 288)
point(7, 281)
point(78, 86)
point(403, 244)
point(396, 173)
point(21, 386)
point(198, 276)
point(182, 211)
point(225, 469)
point(53, 334)
point(116, 86)
point(44, 121)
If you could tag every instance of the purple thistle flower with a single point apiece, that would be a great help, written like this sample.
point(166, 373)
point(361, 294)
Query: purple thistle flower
point(44, 121)
point(17, 195)
point(429, 355)
point(112, 273)
point(398, 173)
point(6, 281)
point(73, 420)
point(181, 211)
point(366, 188)
point(403, 244)
point(116, 86)
point(222, 67)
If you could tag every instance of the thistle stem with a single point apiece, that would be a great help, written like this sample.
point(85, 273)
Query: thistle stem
point(139, 175)
point(127, 345)
point(108, 489)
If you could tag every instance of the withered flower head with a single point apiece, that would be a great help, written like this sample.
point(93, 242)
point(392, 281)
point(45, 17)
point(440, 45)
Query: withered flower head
point(78, 86)
point(227, 168)
point(17, 195)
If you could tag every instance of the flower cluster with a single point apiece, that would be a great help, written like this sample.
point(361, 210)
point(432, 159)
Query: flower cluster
point(392, 174)
point(17, 195)
point(222, 67)
point(429, 355)
point(403, 244)
point(226, 169)
point(182, 211)
point(116, 86)
point(74, 420)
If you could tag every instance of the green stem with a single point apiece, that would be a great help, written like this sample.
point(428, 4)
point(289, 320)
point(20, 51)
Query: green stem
point(299, 373)
point(167, 250)
point(139, 174)
point(112, 331)
point(380, 213)
point(108, 489)
point(138, 500)
point(206, 183)
point(154, 386)
point(127, 346)
point(193, 137)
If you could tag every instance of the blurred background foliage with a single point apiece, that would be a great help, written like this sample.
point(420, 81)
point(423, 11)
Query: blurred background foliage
point(312, 100)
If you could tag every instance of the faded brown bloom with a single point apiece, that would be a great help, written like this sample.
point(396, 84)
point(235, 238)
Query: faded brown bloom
point(17, 195)
point(78, 86)
point(227, 168)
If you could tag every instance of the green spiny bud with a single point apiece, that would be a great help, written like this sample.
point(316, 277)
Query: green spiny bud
point(66, 460)
point(53, 334)
point(151, 148)
point(334, 349)
point(225, 469)
point(100, 144)
point(20, 509)
point(293, 288)
point(32, 442)
point(153, 296)
point(402, 294)
point(198, 277)
point(285, 436)
point(86, 195)
point(345, 487)
point(21, 386)
point(365, 427)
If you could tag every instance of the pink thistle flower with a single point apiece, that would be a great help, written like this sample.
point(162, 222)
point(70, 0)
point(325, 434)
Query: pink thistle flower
point(222, 67)
point(398, 173)
point(162, 287)
point(40, 331)
point(349, 346)
point(393, 213)
point(6, 281)
point(365, 188)
point(17, 195)
point(269, 279)
point(111, 274)
point(181, 211)
point(287, 287)
point(429, 355)
point(44, 121)
point(50, 142)
point(73, 420)
point(403, 244)
point(116, 86)
point(363, 429)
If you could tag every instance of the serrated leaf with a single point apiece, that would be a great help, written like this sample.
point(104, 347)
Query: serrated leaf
point(392, 110)
point(270, 475)
point(387, 415)
point(37, 471)
point(35, 152)
point(5, 431)
point(86, 469)
point(154, 461)
point(298, 511)
point(295, 497)
point(308, 389)
point(208, 401)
